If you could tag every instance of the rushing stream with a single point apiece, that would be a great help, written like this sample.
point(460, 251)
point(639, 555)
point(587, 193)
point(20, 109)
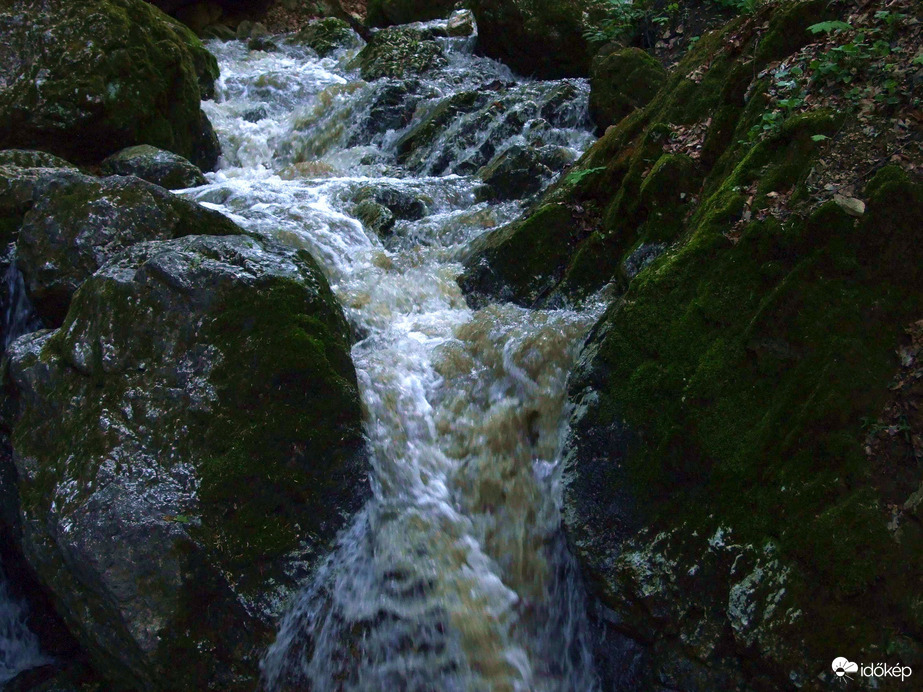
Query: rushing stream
point(455, 576)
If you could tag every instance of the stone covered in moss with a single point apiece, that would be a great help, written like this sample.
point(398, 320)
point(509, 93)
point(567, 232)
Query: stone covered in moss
point(622, 81)
point(188, 445)
point(388, 12)
point(541, 38)
point(515, 173)
point(324, 36)
point(26, 158)
point(81, 222)
point(83, 80)
point(156, 166)
point(399, 52)
point(716, 462)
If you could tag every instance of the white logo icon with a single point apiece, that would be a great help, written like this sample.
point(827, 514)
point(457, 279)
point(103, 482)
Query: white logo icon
point(842, 666)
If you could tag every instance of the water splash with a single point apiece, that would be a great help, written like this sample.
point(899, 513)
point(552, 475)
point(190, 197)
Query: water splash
point(455, 576)
point(19, 646)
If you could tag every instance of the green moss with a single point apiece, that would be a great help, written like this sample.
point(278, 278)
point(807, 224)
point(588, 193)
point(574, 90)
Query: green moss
point(286, 407)
point(620, 82)
point(398, 52)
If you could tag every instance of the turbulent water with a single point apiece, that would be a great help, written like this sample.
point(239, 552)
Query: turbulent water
point(455, 576)
point(19, 647)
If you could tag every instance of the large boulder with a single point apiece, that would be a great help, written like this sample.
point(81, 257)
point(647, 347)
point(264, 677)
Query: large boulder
point(541, 38)
point(154, 165)
point(387, 12)
point(83, 80)
point(188, 444)
point(399, 52)
point(81, 222)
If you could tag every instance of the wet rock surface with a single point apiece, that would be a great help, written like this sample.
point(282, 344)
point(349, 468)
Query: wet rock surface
point(130, 76)
point(201, 364)
point(154, 165)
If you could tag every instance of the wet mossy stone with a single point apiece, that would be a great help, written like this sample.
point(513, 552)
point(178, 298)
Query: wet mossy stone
point(540, 38)
point(515, 173)
point(388, 12)
point(188, 445)
point(375, 217)
point(324, 36)
point(20, 188)
point(399, 52)
point(27, 158)
point(83, 80)
point(156, 166)
point(418, 138)
point(522, 261)
point(80, 222)
point(622, 81)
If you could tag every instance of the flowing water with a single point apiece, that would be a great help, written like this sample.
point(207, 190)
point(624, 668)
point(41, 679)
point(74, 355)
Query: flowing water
point(455, 576)
point(19, 647)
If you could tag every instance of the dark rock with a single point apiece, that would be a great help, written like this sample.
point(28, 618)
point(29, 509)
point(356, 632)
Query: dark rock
point(515, 173)
point(324, 36)
point(399, 52)
point(413, 144)
point(622, 81)
point(188, 445)
point(388, 12)
point(375, 217)
point(130, 76)
point(154, 165)
point(461, 23)
point(80, 222)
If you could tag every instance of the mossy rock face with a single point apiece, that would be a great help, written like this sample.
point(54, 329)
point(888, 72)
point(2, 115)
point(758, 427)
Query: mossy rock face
point(515, 173)
point(21, 188)
point(540, 38)
point(81, 222)
point(622, 81)
point(388, 12)
point(399, 52)
point(324, 36)
point(188, 445)
point(156, 166)
point(84, 80)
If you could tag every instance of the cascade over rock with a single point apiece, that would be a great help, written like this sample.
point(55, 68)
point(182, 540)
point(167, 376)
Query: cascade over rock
point(722, 442)
point(129, 75)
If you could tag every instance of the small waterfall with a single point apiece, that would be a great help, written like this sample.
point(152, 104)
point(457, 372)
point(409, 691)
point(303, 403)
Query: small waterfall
point(19, 647)
point(18, 312)
point(455, 576)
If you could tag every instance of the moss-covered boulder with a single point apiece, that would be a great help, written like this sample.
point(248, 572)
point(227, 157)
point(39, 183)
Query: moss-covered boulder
point(388, 12)
point(399, 52)
point(515, 173)
point(81, 222)
point(541, 38)
point(620, 82)
point(188, 444)
point(324, 36)
point(83, 80)
point(156, 166)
